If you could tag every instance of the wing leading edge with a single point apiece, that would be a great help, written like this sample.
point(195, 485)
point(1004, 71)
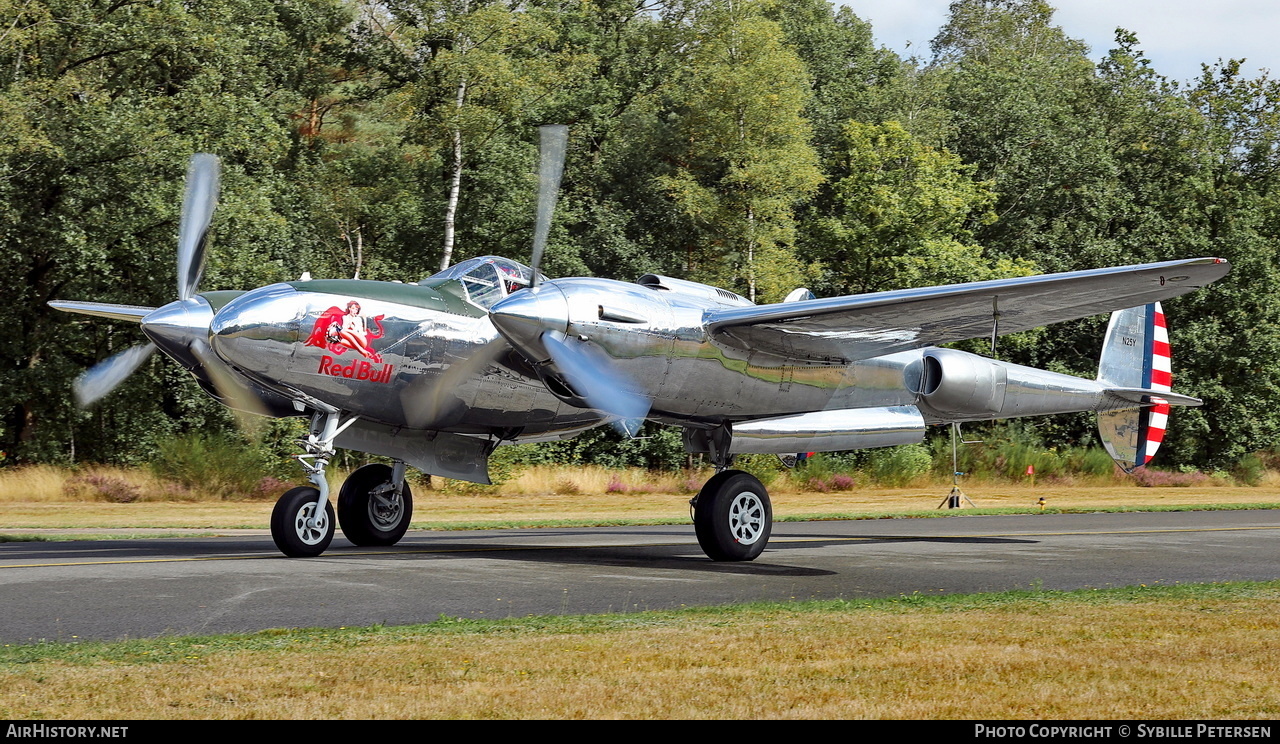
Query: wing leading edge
point(843, 329)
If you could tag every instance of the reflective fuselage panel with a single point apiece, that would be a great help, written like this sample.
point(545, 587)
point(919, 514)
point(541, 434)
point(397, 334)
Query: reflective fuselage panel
point(656, 338)
point(383, 350)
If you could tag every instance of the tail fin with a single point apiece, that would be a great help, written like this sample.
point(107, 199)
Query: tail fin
point(1135, 366)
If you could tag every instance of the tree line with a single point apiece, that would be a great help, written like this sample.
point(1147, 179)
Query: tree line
point(754, 145)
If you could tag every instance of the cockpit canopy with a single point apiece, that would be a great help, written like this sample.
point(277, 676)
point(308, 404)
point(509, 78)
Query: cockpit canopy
point(486, 279)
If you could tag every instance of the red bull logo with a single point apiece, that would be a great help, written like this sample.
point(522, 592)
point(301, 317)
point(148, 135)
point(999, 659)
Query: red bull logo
point(339, 330)
point(358, 369)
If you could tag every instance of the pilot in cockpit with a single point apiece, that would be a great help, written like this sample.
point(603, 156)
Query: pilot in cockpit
point(512, 279)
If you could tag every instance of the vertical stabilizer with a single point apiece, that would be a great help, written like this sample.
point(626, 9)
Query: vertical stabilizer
point(1135, 357)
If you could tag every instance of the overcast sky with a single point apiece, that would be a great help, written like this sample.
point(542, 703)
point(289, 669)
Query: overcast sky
point(1177, 35)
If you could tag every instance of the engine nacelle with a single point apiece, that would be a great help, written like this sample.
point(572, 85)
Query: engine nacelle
point(956, 382)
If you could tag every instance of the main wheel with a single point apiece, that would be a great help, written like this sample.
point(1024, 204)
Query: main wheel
point(733, 517)
point(289, 523)
point(369, 511)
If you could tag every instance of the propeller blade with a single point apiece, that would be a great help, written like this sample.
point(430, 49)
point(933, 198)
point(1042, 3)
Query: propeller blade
point(92, 385)
point(553, 139)
point(236, 395)
point(197, 212)
point(601, 384)
point(440, 401)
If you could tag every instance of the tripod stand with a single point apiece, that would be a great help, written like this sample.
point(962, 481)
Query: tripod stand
point(953, 499)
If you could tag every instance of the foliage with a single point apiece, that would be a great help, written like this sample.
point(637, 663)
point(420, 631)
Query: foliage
point(766, 468)
point(223, 465)
point(900, 216)
point(741, 149)
point(753, 144)
point(899, 466)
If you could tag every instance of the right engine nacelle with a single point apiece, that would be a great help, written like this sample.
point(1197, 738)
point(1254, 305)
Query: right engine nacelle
point(958, 386)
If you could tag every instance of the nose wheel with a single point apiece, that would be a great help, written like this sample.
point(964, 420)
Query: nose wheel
point(297, 527)
point(733, 517)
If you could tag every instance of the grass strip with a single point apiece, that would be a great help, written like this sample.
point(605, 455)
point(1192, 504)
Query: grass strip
point(1194, 652)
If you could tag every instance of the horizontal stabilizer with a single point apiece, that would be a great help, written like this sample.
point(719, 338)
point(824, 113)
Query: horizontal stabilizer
point(134, 313)
point(1148, 397)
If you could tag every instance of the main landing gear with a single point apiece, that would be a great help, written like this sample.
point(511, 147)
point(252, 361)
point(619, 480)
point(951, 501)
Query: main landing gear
point(732, 514)
point(372, 508)
point(374, 505)
point(733, 517)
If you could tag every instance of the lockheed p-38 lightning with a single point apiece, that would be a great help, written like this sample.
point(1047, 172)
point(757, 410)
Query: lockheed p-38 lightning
point(436, 374)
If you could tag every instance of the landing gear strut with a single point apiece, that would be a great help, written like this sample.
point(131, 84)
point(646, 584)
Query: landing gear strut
point(302, 522)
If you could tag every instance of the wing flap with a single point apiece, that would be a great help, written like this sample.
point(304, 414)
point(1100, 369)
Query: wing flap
point(843, 329)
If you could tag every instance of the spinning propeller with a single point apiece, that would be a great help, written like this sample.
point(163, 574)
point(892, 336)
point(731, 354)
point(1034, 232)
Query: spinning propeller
point(197, 212)
point(182, 326)
point(537, 322)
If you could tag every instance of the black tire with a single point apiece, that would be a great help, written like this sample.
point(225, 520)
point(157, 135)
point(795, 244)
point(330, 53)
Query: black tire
point(369, 518)
point(733, 517)
point(288, 524)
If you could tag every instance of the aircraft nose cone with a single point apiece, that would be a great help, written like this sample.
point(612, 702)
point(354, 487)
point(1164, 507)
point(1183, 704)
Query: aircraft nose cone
point(255, 332)
point(523, 317)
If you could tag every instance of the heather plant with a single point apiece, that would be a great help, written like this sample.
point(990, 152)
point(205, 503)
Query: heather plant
point(824, 473)
point(1152, 478)
point(92, 486)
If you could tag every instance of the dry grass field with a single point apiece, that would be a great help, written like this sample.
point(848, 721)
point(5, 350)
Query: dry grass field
point(39, 498)
point(1141, 654)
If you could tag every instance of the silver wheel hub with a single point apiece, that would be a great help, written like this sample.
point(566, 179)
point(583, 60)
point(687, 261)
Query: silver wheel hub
point(746, 518)
point(311, 531)
point(386, 508)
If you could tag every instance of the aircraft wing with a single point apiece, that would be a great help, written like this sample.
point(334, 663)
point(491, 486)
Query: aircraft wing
point(844, 329)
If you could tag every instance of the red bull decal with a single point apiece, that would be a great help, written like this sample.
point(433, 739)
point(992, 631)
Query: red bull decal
point(339, 330)
point(357, 370)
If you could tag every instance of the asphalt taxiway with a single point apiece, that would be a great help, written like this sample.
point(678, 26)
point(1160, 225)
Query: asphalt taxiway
point(129, 588)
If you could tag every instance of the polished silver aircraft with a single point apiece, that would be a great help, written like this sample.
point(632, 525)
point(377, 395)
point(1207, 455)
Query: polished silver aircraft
point(436, 375)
